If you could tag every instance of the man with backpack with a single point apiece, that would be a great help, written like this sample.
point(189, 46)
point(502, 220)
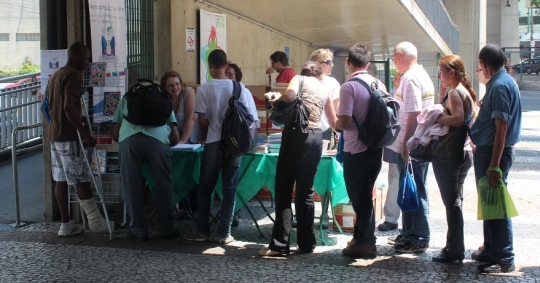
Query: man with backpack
point(145, 133)
point(213, 104)
point(361, 164)
point(415, 92)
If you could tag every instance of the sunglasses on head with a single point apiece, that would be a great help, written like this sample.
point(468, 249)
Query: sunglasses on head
point(327, 62)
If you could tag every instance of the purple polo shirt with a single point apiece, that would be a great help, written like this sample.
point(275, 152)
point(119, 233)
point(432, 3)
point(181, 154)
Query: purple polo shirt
point(354, 100)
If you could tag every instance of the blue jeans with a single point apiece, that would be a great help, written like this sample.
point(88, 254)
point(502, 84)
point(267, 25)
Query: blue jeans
point(498, 233)
point(298, 159)
point(450, 177)
point(214, 160)
point(415, 226)
point(360, 172)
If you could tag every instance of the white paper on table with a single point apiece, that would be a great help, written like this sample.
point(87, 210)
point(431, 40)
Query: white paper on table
point(186, 146)
point(348, 222)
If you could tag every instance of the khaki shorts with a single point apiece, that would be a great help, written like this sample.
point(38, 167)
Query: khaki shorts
point(68, 163)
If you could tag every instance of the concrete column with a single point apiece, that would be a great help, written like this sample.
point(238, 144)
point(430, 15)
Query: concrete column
point(162, 37)
point(470, 17)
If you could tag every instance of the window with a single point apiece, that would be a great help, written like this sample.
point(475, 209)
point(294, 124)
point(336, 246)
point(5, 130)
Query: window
point(4, 36)
point(140, 37)
point(27, 36)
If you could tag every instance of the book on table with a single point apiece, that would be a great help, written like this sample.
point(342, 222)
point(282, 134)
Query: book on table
point(186, 146)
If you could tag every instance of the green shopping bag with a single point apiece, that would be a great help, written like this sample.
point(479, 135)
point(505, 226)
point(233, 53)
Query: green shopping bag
point(494, 202)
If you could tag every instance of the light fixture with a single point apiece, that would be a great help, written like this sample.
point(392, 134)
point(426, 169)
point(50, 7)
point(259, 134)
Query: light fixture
point(507, 4)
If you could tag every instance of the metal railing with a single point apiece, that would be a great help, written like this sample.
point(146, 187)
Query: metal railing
point(20, 105)
point(439, 18)
point(18, 223)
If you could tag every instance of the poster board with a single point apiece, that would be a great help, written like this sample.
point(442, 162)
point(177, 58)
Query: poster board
point(212, 35)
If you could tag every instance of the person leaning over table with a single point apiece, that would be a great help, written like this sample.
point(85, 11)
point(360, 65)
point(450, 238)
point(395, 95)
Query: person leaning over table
point(459, 102)
point(298, 159)
point(139, 144)
point(494, 133)
point(183, 102)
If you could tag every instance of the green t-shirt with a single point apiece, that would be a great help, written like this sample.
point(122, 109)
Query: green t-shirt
point(127, 129)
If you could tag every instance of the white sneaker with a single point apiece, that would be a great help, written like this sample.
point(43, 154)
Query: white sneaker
point(226, 240)
point(69, 229)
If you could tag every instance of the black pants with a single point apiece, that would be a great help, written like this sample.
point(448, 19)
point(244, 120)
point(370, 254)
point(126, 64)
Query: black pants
point(450, 178)
point(360, 172)
point(298, 159)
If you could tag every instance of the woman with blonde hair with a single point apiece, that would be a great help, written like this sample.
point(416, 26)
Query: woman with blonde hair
point(459, 104)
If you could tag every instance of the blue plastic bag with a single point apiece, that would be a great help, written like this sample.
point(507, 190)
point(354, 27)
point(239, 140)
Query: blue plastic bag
point(408, 199)
point(45, 107)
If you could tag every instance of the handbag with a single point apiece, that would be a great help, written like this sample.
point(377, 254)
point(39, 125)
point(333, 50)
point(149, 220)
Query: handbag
point(408, 199)
point(449, 146)
point(494, 202)
point(293, 115)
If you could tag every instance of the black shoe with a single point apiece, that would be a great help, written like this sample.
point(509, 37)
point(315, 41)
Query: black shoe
point(445, 257)
point(175, 233)
point(387, 226)
point(494, 267)
point(480, 256)
point(410, 248)
point(138, 238)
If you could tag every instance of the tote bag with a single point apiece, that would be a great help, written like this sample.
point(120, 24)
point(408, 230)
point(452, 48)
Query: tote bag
point(408, 199)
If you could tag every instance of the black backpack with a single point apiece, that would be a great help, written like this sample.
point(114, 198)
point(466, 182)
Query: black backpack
point(381, 126)
point(147, 104)
point(239, 129)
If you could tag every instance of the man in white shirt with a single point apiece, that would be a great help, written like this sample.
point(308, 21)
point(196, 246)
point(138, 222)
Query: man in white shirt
point(415, 92)
point(211, 103)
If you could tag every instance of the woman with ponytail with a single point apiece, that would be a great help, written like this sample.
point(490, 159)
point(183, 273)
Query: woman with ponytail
point(459, 103)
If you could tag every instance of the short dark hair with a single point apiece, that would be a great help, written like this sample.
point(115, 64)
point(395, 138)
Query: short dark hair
point(281, 57)
point(311, 69)
point(76, 49)
point(492, 56)
point(217, 58)
point(237, 71)
point(359, 55)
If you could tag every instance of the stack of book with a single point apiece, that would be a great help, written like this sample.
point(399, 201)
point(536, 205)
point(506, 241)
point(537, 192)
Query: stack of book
point(274, 142)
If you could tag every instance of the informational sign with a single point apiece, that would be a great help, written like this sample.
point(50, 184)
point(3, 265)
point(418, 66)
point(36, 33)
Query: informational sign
point(212, 36)
point(109, 56)
point(288, 52)
point(51, 61)
point(190, 39)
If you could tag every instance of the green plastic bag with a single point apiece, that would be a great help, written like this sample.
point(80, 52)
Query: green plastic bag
point(494, 202)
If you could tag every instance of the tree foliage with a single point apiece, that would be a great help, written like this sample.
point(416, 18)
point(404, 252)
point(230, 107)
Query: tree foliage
point(27, 67)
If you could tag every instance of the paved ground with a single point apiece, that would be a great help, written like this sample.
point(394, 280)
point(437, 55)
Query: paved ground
point(35, 254)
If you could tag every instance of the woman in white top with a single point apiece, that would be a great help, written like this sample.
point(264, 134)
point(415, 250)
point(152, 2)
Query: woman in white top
point(183, 102)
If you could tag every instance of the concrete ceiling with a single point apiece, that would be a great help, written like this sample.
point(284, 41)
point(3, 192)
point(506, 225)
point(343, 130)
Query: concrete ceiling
point(338, 24)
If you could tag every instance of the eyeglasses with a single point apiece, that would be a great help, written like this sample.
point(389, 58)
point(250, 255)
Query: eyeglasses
point(174, 85)
point(478, 70)
point(327, 62)
point(230, 75)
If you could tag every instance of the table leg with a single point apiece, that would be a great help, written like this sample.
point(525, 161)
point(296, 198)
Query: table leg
point(326, 200)
point(251, 214)
point(264, 208)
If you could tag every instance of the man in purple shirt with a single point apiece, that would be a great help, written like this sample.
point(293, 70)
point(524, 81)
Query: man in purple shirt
point(361, 165)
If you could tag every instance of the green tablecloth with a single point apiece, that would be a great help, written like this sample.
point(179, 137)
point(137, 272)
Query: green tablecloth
point(256, 171)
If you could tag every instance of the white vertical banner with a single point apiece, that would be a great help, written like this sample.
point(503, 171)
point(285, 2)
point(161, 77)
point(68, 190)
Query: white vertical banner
point(109, 61)
point(190, 40)
point(212, 36)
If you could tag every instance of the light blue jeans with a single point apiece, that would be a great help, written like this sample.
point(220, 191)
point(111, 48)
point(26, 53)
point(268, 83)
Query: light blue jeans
point(215, 160)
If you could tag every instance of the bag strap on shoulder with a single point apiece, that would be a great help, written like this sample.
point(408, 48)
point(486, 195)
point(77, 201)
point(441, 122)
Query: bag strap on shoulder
point(237, 89)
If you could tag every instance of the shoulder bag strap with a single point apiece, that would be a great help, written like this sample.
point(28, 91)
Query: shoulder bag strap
point(300, 86)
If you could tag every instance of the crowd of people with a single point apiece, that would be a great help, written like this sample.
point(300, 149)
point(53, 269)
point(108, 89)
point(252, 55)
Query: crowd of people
point(493, 125)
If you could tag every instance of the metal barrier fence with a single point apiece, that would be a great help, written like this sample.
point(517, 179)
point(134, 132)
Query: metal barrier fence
point(20, 105)
point(439, 18)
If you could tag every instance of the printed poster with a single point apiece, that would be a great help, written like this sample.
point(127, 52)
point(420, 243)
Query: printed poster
point(190, 39)
point(109, 54)
point(213, 35)
point(51, 61)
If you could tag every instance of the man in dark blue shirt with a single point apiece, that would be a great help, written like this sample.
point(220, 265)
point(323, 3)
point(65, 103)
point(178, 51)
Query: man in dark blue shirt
point(495, 132)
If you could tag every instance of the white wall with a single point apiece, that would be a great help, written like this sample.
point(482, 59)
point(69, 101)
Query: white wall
point(19, 16)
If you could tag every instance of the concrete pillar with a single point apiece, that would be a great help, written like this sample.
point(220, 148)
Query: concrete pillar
point(162, 37)
point(470, 17)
